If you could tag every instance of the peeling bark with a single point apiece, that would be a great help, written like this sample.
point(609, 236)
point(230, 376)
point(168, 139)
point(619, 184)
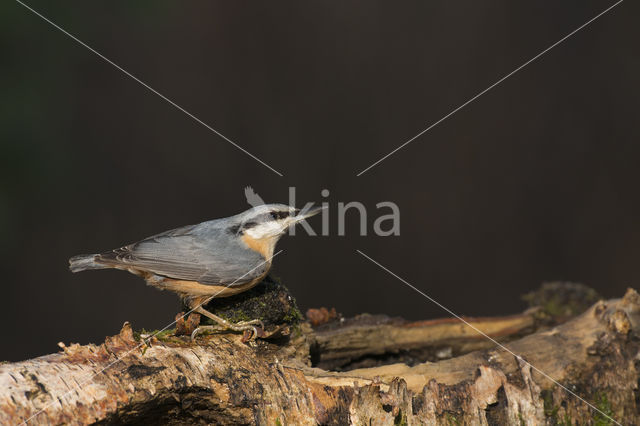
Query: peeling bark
point(221, 380)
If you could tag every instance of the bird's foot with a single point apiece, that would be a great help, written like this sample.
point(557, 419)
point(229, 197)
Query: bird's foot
point(251, 329)
point(242, 325)
point(205, 328)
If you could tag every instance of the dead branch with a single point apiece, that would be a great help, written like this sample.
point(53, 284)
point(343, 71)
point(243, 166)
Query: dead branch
point(294, 380)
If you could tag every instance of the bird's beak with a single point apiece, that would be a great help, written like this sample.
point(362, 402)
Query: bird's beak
point(305, 213)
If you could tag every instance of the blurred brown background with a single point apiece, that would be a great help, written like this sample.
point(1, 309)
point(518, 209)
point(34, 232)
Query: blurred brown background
point(536, 180)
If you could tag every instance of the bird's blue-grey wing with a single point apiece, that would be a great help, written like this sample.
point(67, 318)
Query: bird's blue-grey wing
point(182, 254)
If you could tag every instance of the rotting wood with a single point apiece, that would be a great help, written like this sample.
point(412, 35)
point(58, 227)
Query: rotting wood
point(221, 380)
point(358, 341)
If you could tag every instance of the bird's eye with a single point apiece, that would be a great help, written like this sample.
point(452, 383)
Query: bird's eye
point(279, 215)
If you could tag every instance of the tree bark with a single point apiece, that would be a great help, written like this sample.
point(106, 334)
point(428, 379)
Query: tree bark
point(366, 370)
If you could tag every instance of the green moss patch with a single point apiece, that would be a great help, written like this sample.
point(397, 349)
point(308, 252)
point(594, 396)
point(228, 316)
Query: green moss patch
point(269, 301)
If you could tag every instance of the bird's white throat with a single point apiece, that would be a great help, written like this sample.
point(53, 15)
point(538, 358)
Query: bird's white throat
point(266, 230)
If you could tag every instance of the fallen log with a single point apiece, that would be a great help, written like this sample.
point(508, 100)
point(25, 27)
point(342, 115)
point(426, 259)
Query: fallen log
point(338, 373)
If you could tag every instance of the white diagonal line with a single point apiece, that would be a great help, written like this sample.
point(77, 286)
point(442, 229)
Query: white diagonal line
point(148, 87)
point(491, 87)
point(490, 338)
point(60, 397)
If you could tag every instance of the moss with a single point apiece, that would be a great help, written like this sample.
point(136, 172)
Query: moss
point(167, 335)
point(269, 301)
point(554, 308)
point(566, 421)
point(451, 419)
point(603, 404)
point(550, 410)
point(562, 299)
point(294, 316)
point(163, 335)
point(296, 330)
point(400, 419)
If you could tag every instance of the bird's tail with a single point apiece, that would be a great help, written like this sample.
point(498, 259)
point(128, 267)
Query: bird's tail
point(85, 262)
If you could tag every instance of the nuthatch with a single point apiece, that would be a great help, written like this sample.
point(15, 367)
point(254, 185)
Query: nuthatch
point(218, 258)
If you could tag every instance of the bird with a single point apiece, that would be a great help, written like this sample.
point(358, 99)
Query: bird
point(216, 258)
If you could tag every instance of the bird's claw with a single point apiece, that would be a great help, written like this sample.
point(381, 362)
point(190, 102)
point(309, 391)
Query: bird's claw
point(251, 329)
point(202, 328)
point(252, 333)
point(243, 324)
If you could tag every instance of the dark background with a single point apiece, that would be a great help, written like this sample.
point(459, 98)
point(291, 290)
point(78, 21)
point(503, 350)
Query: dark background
point(536, 180)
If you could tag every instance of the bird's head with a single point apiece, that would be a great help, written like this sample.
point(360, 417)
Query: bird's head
point(270, 221)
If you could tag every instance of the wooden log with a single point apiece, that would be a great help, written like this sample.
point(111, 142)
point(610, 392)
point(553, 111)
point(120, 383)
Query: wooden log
point(219, 379)
point(355, 342)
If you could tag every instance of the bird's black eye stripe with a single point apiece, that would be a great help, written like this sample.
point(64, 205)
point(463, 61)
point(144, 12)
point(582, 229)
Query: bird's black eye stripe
point(279, 215)
point(241, 227)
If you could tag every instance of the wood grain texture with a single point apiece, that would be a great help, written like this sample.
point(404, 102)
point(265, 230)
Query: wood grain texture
point(221, 380)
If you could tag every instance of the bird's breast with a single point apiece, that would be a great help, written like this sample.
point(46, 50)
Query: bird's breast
point(264, 246)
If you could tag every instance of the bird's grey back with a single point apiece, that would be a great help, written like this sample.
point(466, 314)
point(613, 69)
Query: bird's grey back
point(210, 253)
